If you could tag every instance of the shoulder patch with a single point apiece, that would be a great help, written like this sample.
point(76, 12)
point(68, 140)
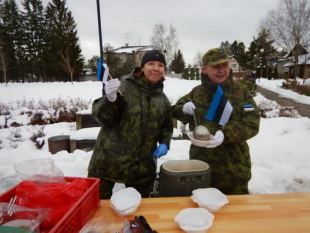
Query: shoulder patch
point(248, 108)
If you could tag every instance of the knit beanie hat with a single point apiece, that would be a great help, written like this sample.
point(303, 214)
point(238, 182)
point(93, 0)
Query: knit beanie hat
point(153, 55)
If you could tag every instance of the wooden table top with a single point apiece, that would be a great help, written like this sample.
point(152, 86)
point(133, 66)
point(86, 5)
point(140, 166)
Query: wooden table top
point(269, 213)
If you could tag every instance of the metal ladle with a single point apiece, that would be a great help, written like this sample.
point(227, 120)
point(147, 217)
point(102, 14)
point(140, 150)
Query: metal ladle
point(195, 119)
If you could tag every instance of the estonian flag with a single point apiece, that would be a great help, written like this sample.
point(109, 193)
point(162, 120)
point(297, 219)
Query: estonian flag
point(102, 71)
point(220, 109)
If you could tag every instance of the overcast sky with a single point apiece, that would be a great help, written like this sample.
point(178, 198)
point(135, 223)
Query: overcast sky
point(200, 24)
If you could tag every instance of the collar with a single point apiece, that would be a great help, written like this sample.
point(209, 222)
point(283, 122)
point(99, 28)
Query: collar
point(146, 86)
point(211, 86)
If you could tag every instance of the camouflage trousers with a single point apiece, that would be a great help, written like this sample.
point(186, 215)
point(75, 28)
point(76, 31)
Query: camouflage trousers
point(228, 176)
point(106, 187)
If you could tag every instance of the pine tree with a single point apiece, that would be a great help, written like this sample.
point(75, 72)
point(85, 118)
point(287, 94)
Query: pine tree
point(92, 63)
point(178, 64)
point(260, 53)
point(34, 23)
point(64, 60)
point(226, 46)
point(11, 39)
point(252, 57)
point(238, 51)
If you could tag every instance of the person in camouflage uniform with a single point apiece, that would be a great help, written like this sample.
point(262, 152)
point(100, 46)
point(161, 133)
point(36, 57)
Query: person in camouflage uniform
point(135, 115)
point(227, 153)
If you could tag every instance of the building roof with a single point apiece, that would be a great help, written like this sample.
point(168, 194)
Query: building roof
point(302, 59)
point(131, 49)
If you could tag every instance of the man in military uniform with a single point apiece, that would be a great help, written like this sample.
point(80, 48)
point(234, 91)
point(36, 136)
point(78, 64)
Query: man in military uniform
point(227, 109)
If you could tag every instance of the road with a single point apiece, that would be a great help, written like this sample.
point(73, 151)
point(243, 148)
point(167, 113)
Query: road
point(303, 109)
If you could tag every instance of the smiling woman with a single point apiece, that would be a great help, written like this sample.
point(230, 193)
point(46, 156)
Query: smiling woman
point(153, 66)
point(136, 128)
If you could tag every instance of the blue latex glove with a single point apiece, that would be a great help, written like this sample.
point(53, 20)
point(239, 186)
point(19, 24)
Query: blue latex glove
point(161, 150)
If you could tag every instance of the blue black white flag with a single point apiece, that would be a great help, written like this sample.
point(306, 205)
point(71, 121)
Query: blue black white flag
point(220, 109)
point(102, 71)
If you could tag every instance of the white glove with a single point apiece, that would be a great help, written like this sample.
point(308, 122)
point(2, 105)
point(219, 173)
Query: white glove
point(217, 139)
point(189, 108)
point(111, 87)
point(117, 187)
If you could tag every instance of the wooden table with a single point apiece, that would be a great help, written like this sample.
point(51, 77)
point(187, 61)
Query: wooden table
point(271, 213)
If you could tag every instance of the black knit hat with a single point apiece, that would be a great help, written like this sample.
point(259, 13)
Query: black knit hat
point(153, 55)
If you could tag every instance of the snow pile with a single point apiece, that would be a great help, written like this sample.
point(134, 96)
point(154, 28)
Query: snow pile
point(271, 109)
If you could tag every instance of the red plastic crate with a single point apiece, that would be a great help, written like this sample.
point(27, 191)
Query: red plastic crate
point(79, 213)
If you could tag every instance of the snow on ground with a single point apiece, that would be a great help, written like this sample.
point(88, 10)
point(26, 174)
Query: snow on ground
point(275, 86)
point(279, 153)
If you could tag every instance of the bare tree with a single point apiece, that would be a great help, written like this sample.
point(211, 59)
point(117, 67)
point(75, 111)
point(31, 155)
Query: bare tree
point(289, 25)
point(159, 34)
point(198, 59)
point(66, 63)
point(166, 40)
point(171, 44)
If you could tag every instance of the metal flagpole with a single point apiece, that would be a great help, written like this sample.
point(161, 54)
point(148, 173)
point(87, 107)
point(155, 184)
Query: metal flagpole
point(99, 29)
point(100, 68)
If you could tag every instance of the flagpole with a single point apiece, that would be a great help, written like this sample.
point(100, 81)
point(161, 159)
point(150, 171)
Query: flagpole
point(102, 72)
point(99, 29)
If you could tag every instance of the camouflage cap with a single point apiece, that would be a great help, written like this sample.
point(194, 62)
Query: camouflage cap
point(215, 56)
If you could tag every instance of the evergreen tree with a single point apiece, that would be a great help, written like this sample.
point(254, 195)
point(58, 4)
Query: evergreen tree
point(92, 63)
point(238, 51)
point(64, 60)
point(226, 46)
point(11, 40)
point(196, 68)
point(178, 64)
point(34, 23)
point(252, 56)
point(261, 53)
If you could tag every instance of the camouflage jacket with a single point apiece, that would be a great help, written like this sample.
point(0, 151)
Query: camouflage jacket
point(231, 159)
point(131, 127)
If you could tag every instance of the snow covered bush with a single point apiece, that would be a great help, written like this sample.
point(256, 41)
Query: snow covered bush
point(40, 112)
point(38, 137)
point(298, 86)
point(271, 109)
point(4, 109)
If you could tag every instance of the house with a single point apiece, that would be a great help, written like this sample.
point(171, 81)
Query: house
point(285, 65)
point(303, 66)
point(234, 65)
point(236, 68)
point(132, 54)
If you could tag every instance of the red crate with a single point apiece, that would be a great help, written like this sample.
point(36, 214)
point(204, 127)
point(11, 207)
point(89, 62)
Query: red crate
point(79, 213)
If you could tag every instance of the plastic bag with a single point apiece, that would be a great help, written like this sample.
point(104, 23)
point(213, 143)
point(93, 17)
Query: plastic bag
point(22, 217)
point(119, 225)
point(102, 225)
point(43, 170)
point(140, 225)
point(58, 197)
point(8, 182)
